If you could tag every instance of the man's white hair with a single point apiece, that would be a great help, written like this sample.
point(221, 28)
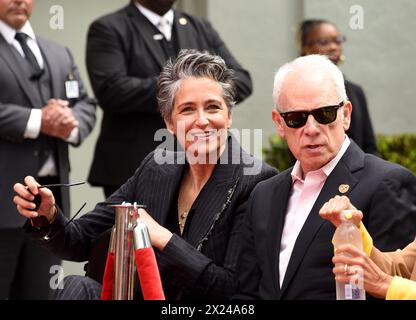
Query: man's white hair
point(315, 64)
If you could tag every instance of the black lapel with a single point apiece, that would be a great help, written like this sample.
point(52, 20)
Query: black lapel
point(343, 173)
point(276, 220)
point(147, 31)
point(12, 61)
point(185, 32)
point(167, 178)
point(215, 196)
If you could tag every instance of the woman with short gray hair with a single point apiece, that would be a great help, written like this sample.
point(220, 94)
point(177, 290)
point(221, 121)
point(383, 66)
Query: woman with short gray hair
point(193, 64)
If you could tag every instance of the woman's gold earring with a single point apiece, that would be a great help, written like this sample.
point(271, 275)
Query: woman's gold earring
point(341, 58)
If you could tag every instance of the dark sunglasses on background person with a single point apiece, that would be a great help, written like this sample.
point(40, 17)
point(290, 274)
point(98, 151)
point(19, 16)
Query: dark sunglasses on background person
point(323, 115)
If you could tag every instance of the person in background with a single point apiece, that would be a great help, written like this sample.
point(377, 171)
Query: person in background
point(388, 275)
point(286, 247)
point(126, 51)
point(195, 199)
point(323, 37)
point(43, 108)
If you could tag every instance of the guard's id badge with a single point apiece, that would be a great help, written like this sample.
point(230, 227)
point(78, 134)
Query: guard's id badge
point(71, 87)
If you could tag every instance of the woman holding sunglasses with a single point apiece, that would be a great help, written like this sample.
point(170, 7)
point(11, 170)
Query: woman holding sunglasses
point(323, 37)
point(195, 198)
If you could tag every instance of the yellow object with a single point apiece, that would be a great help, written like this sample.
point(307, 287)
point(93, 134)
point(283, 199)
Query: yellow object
point(401, 289)
point(367, 240)
point(348, 215)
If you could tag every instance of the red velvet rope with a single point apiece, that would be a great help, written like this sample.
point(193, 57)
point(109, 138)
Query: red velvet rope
point(149, 274)
point(108, 279)
point(147, 269)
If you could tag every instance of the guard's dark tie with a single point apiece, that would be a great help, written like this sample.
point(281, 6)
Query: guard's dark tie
point(22, 39)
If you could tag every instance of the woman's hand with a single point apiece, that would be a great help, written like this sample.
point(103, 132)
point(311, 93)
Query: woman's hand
point(159, 236)
point(346, 260)
point(332, 209)
point(26, 195)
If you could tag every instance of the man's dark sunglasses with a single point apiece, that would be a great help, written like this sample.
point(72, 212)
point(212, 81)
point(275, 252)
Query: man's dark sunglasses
point(324, 115)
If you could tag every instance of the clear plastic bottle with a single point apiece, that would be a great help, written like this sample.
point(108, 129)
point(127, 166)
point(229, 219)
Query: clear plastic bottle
point(347, 232)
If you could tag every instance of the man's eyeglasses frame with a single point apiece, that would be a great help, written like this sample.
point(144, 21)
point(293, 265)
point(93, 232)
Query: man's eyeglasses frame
point(323, 115)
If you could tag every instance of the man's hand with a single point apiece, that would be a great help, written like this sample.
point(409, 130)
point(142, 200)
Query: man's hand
point(58, 119)
point(332, 209)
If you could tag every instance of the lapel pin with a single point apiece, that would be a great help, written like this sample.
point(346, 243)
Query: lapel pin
point(343, 188)
point(183, 21)
point(157, 37)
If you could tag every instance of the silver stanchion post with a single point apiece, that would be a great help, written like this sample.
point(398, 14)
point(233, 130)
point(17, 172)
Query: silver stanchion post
point(125, 221)
point(130, 245)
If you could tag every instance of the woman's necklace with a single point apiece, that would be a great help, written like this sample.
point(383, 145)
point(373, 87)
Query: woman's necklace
point(185, 201)
point(187, 196)
point(182, 220)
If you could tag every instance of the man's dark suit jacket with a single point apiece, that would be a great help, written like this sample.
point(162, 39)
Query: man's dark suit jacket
point(361, 128)
point(200, 264)
point(386, 194)
point(19, 157)
point(124, 61)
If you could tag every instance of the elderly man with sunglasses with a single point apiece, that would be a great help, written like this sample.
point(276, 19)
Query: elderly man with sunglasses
point(286, 246)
